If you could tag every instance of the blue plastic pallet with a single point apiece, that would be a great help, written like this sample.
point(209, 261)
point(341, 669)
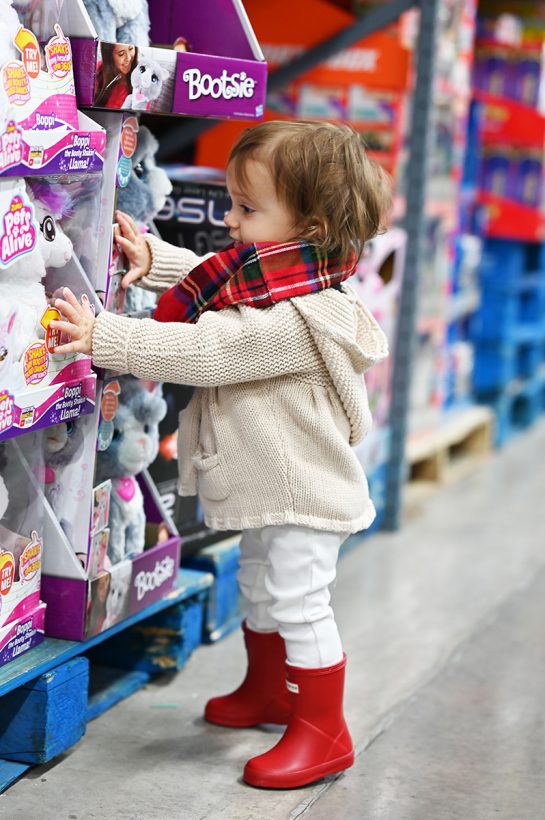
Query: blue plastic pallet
point(48, 695)
point(506, 316)
point(499, 362)
point(506, 262)
point(517, 408)
point(222, 610)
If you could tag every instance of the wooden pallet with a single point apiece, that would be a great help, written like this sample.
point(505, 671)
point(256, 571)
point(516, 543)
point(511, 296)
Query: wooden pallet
point(449, 452)
point(48, 695)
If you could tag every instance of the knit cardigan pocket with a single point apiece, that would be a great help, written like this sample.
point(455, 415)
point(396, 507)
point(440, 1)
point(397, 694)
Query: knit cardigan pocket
point(199, 471)
point(188, 444)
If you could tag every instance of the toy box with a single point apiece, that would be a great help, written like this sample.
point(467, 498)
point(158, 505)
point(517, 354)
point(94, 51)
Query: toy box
point(81, 606)
point(41, 130)
point(37, 386)
point(114, 548)
point(21, 547)
point(219, 72)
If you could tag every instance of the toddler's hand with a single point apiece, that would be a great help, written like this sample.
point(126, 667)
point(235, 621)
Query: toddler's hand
point(80, 325)
point(134, 246)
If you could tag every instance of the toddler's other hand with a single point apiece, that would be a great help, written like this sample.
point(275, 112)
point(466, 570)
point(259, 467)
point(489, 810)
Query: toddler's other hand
point(134, 246)
point(80, 325)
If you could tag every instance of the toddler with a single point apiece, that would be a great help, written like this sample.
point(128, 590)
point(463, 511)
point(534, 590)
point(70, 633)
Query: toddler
point(276, 344)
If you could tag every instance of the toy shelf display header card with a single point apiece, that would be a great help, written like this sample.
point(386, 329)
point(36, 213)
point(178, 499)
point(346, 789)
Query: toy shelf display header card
point(203, 61)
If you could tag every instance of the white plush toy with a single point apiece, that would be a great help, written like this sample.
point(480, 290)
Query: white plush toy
point(22, 291)
point(6, 345)
point(120, 21)
point(4, 495)
point(147, 83)
point(51, 204)
point(4, 498)
point(9, 26)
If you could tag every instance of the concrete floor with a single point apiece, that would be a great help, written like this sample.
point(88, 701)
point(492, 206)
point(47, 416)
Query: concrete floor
point(444, 626)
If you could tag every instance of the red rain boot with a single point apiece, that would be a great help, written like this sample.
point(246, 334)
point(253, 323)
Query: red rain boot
point(316, 742)
point(262, 697)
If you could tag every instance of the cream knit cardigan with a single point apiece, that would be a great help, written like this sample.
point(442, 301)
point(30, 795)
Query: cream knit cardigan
point(266, 438)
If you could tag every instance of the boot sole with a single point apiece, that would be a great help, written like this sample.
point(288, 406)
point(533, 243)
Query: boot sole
point(294, 780)
point(243, 725)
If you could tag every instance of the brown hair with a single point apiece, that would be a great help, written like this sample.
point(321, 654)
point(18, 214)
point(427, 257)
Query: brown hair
point(108, 75)
point(323, 175)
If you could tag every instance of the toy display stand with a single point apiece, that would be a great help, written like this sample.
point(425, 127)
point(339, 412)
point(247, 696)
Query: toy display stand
point(81, 658)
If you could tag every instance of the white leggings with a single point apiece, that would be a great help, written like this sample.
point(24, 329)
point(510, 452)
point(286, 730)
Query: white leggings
point(284, 576)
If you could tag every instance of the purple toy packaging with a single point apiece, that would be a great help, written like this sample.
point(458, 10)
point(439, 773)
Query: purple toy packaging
point(37, 386)
point(21, 548)
point(193, 66)
point(41, 130)
point(99, 572)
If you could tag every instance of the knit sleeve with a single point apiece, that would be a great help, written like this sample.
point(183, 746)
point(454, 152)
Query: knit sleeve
point(169, 264)
point(226, 347)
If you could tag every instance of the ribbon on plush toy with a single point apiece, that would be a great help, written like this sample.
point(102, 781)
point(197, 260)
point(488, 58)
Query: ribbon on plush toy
point(257, 275)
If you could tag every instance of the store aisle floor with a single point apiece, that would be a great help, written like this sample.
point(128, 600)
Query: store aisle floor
point(444, 627)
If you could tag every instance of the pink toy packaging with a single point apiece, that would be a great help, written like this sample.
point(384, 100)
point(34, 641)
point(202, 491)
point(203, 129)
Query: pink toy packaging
point(21, 545)
point(41, 130)
point(37, 386)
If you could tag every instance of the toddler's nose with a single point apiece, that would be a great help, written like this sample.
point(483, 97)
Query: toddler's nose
point(229, 219)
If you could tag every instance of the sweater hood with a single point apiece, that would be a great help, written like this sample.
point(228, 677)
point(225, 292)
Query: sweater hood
point(350, 341)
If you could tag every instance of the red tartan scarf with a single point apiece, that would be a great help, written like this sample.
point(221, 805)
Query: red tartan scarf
point(258, 275)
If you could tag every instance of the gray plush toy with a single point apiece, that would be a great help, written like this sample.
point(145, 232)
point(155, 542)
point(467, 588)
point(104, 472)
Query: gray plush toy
point(134, 446)
point(148, 186)
point(147, 83)
point(143, 198)
point(120, 21)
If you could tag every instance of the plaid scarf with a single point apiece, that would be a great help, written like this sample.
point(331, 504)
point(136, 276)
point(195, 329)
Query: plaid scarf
point(257, 275)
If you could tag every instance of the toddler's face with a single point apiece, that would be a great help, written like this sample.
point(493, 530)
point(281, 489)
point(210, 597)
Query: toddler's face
point(257, 215)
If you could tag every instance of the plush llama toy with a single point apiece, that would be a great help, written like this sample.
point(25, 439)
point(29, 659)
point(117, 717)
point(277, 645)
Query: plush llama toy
point(4, 495)
point(7, 324)
point(147, 83)
point(63, 443)
point(22, 293)
point(134, 446)
point(51, 204)
point(120, 21)
point(9, 26)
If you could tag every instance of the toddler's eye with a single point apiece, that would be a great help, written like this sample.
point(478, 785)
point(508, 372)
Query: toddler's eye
point(247, 209)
